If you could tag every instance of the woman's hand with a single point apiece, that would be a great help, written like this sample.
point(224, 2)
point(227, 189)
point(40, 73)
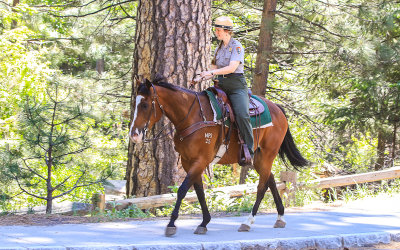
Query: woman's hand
point(206, 74)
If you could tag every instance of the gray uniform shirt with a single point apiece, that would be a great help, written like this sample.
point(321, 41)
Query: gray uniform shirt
point(233, 52)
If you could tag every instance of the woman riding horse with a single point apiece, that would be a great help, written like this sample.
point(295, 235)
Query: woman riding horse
point(228, 65)
point(189, 110)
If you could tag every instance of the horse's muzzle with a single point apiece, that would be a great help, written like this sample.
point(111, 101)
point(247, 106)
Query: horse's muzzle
point(136, 136)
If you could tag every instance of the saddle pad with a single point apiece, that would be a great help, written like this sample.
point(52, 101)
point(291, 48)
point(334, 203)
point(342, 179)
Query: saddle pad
point(263, 121)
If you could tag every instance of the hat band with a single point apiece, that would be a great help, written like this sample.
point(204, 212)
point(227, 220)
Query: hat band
point(223, 26)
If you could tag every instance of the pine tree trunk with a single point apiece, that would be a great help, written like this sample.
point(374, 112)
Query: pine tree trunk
point(264, 55)
point(380, 162)
point(264, 50)
point(49, 198)
point(14, 22)
point(393, 144)
point(173, 39)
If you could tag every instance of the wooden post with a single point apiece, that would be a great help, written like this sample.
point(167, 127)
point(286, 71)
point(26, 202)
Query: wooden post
point(286, 177)
point(99, 202)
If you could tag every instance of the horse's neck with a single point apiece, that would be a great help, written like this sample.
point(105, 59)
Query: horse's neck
point(176, 105)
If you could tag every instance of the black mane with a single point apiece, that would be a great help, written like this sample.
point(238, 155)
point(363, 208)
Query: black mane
point(144, 88)
point(167, 85)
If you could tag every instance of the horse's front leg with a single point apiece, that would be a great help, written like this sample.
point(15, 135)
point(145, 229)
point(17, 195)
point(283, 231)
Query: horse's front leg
point(202, 228)
point(182, 191)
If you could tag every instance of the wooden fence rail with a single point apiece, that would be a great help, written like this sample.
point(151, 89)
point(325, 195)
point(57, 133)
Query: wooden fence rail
point(239, 190)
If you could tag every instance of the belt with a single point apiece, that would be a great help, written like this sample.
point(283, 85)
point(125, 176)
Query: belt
point(231, 75)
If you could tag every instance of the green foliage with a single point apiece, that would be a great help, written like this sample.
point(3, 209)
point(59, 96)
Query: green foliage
point(130, 212)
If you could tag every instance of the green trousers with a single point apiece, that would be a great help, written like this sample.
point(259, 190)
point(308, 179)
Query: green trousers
point(236, 89)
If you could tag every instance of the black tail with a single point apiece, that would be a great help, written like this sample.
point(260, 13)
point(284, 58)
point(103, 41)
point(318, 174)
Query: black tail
point(289, 149)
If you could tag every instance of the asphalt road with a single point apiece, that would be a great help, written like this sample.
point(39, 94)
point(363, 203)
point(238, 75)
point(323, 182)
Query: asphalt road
point(360, 223)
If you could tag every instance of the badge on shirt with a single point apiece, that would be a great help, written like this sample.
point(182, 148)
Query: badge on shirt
point(230, 49)
point(238, 49)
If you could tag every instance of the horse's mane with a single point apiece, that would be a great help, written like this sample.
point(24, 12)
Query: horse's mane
point(160, 81)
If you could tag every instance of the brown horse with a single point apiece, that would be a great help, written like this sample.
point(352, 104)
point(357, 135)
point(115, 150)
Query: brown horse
point(187, 109)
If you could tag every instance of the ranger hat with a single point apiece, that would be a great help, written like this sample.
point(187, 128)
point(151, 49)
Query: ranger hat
point(224, 22)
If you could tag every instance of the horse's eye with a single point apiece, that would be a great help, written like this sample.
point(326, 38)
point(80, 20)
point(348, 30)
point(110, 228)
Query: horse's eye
point(144, 105)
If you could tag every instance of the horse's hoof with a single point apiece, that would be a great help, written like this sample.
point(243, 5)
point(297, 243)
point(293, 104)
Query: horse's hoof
point(169, 231)
point(200, 230)
point(280, 224)
point(244, 228)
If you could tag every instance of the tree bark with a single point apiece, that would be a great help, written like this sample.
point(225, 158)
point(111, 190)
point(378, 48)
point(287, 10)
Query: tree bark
point(380, 162)
point(173, 39)
point(264, 50)
point(14, 22)
point(394, 144)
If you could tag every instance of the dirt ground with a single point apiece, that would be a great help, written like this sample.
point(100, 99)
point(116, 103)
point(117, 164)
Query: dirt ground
point(48, 220)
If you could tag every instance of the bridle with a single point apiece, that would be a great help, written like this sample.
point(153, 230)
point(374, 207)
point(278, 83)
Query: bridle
point(155, 100)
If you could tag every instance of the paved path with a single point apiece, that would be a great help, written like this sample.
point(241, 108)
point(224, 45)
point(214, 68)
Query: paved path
point(356, 224)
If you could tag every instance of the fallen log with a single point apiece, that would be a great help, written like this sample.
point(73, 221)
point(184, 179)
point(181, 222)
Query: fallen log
point(170, 199)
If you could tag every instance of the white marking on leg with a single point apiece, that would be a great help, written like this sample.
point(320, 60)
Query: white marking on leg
point(250, 220)
point(138, 100)
point(219, 155)
point(280, 217)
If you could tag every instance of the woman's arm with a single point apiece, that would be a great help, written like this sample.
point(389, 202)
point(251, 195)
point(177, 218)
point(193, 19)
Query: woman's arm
point(222, 71)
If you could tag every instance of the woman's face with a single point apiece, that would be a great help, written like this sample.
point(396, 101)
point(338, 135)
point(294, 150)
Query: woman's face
point(221, 33)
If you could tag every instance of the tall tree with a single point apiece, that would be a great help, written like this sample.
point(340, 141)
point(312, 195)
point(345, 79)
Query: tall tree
point(264, 50)
point(172, 39)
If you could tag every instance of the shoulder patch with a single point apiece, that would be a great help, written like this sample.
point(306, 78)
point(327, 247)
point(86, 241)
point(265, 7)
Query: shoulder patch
point(238, 50)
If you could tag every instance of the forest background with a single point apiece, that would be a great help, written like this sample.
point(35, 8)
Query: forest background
point(66, 88)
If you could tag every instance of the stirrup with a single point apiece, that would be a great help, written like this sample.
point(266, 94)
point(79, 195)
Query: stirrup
point(245, 158)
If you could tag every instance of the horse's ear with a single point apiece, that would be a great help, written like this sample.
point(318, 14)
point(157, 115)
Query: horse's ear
point(158, 78)
point(136, 81)
point(148, 83)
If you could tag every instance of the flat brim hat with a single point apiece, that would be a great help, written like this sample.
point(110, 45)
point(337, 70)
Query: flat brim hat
point(224, 22)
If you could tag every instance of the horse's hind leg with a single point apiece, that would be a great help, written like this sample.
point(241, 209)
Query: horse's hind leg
point(202, 228)
point(280, 222)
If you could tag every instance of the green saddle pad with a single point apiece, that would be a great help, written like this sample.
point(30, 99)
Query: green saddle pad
point(264, 120)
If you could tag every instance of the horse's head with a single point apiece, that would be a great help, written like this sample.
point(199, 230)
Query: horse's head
point(148, 111)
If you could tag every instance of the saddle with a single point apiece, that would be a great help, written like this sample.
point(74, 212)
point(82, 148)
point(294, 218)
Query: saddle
point(255, 109)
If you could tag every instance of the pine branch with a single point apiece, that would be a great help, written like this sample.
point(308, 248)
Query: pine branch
point(72, 153)
point(68, 120)
point(71, 4)
point(23, 189)
point(33, 171)
point(62, 183)
point(95, 12)
point(281, 13)
point(72, 189)
point(6, 4)
point(53, 39)
point(302, 53)
point(119, 19)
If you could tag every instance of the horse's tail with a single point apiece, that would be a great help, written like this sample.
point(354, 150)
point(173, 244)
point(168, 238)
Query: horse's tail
point(289, 149)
